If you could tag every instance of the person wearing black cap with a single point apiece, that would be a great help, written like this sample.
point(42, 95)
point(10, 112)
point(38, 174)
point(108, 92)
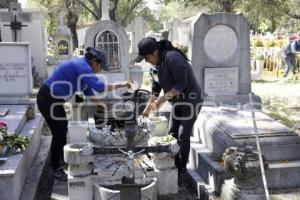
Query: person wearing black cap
point(173, 74)
point(70, 76)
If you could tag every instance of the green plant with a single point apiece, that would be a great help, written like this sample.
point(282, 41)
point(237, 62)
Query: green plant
point(260, 57)
point(271, 43)
point(16, 143)
point(257, 43)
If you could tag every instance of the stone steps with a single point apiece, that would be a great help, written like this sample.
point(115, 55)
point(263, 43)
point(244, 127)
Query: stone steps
point(205, 192)
point(210, 171)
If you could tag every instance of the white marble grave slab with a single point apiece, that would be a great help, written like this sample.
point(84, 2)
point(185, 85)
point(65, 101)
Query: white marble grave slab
point(239, 124)
point(221, 81)
point(15, 118)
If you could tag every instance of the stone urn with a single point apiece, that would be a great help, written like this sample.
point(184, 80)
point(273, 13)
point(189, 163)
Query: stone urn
point(243, 164)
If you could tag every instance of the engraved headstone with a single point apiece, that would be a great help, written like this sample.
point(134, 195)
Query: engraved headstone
point(222, 49)
point(15, 72)
point(62, 38)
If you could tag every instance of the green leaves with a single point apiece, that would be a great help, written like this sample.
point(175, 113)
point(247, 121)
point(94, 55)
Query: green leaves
point(17, 143)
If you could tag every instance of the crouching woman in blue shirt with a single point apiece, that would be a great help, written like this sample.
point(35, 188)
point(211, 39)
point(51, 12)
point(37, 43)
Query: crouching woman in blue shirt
point(76, 74)
point(173, 74)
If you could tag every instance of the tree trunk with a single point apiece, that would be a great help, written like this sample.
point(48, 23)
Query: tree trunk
point(75, 36)
point(72, 19)
point(227, 5)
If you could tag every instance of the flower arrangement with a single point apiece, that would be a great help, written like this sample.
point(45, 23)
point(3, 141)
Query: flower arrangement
point(16, 143)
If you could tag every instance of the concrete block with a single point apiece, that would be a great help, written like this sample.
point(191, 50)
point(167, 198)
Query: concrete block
point(77, 131)
point(80, 188)
point(283, 174)
point(79, 153)
point(167, 181)
point(158, 126)
point(107, 192)
point(163, 161)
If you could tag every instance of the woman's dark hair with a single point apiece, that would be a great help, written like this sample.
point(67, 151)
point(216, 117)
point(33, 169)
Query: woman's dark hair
point(89, 57)
point(167, 46)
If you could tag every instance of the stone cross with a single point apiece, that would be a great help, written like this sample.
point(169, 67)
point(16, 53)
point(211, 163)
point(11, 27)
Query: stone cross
point(105, 10)
point(16, 24)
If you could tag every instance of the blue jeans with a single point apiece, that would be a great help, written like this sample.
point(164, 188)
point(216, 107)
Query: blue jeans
point(289, 63)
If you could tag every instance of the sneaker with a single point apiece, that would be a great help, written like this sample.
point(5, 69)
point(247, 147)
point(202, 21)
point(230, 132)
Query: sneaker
point(59, 174)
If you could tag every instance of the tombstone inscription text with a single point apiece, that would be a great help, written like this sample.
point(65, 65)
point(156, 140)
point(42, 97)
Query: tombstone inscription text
point(221, 81)
point(15, 71)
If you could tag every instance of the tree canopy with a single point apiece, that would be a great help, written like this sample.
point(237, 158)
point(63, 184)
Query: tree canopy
point(263, 15)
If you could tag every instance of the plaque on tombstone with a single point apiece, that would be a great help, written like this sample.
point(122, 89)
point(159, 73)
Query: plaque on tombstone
point(220, 43)
point(221, 81)
point(15, 70)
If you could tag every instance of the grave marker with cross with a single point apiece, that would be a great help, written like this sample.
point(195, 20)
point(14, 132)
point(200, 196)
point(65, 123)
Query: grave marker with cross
point(16, 24)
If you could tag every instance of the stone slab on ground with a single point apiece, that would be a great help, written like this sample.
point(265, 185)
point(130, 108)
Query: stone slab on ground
point(226, 128)
point(15, 118)
point(35, 176)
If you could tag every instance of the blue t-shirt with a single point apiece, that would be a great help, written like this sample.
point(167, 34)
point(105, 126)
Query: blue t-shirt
point(72, 76)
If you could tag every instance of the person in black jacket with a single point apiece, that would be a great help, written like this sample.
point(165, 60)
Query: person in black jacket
point(173, 74)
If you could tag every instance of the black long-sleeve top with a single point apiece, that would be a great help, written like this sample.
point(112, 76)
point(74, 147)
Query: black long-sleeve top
point(174, 71)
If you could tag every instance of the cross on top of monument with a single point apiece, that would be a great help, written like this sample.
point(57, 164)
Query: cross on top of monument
point(14, 6)
point(15, 25)
point(105, 10)
point(61, 18)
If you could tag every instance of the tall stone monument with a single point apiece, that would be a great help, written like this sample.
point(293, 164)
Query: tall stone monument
point(17, 25)
point(113, 39)
point(221, 57)
point(62, 38)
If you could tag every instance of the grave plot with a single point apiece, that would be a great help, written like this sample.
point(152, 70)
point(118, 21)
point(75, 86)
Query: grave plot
point(18, 112)
point(221, 61)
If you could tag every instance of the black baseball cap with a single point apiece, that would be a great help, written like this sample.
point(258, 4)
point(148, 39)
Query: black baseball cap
point(146, 46)
point(98, 54)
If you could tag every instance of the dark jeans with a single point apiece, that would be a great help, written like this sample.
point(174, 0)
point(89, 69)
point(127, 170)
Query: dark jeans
point(289, 63)
point(181, 129)
point(58, 127)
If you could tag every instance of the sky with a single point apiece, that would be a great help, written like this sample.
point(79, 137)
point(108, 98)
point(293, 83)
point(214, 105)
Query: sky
point(22, 2)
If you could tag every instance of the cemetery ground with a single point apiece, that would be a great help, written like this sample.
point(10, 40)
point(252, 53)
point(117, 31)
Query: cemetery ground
point(280, 98)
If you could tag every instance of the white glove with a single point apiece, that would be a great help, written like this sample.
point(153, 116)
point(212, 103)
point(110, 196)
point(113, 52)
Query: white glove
point(174, 147)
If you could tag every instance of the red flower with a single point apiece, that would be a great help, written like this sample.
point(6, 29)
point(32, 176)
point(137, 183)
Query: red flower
point(3, 125)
